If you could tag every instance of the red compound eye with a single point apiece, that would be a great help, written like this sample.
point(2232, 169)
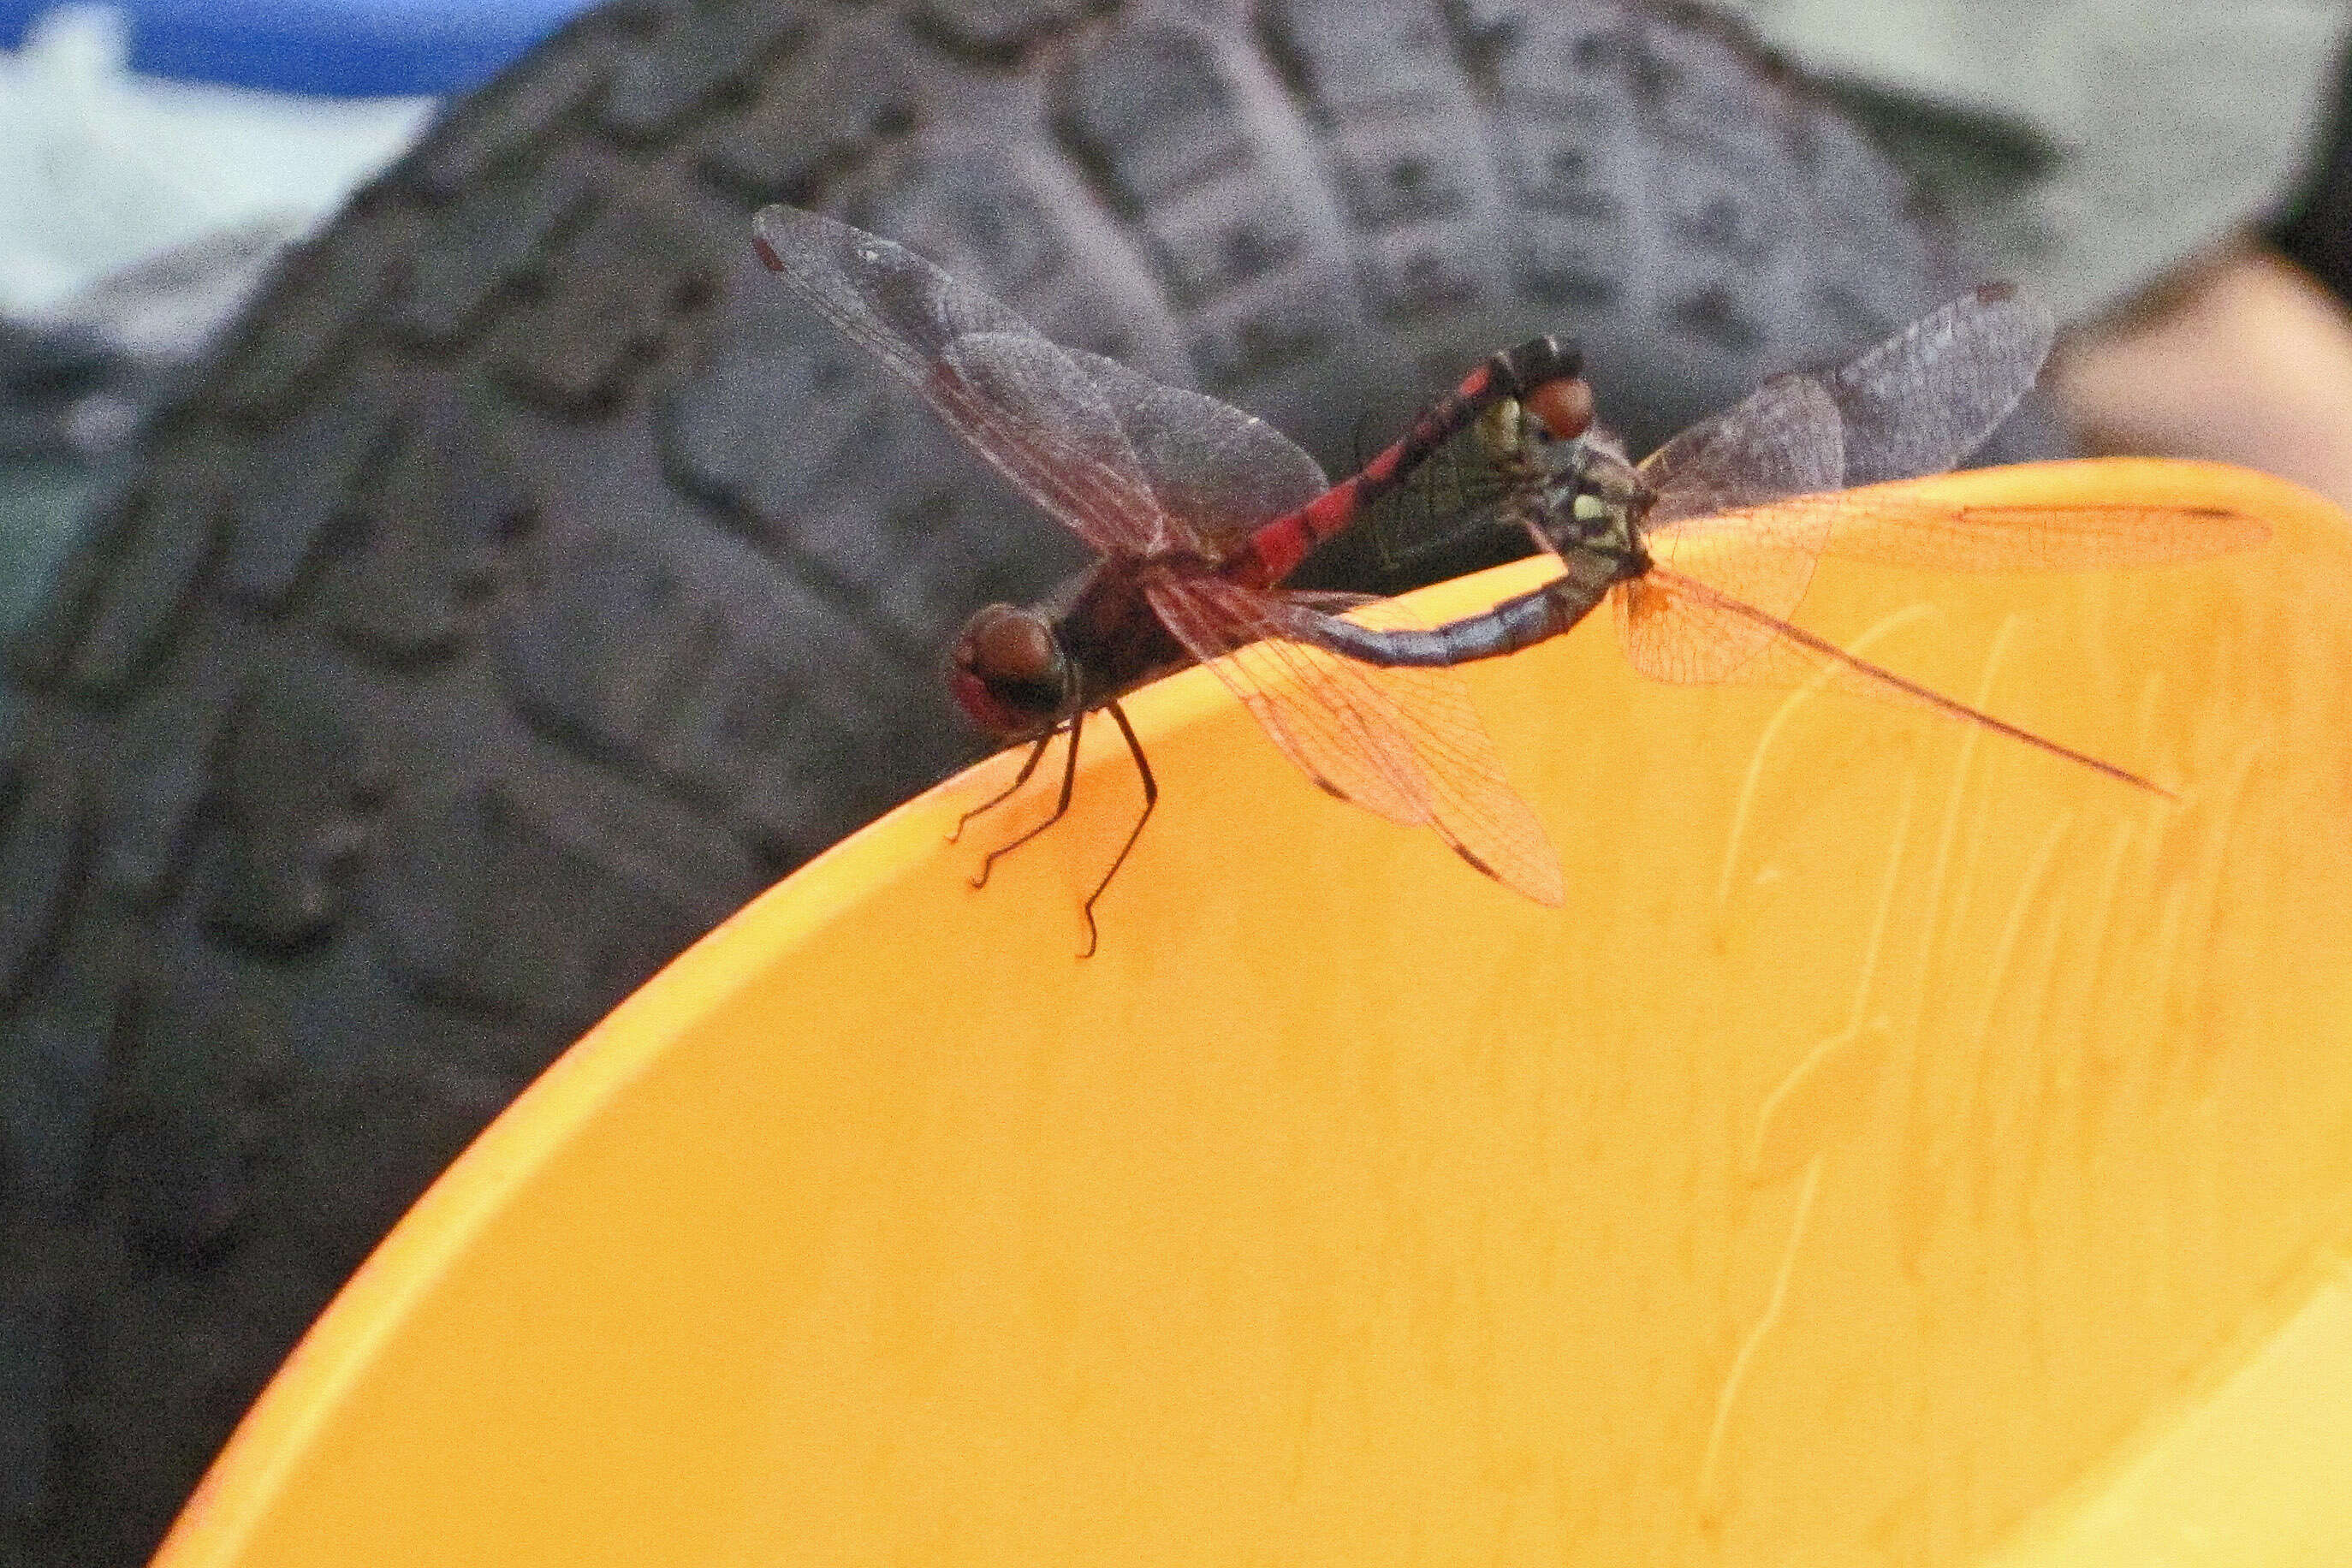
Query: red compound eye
point(1007, 672)
point(1564, 404)
point(1002, 644)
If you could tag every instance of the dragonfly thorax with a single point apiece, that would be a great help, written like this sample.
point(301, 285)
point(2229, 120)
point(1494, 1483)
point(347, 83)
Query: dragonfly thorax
point(1594, 502)
point(1008, 674)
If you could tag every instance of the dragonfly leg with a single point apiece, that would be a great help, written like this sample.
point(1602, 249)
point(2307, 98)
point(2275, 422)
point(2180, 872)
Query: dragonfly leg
point(1028, 766)
point(1150, 799)
point(1061, 806)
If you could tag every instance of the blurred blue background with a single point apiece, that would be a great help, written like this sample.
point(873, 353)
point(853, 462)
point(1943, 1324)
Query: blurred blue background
point(339, 48)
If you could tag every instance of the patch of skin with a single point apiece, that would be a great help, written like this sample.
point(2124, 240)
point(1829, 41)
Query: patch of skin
point(2244, 358)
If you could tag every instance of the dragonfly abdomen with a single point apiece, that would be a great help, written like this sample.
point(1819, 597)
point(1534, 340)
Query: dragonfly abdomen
point(1541, 366)
point(1519, 621)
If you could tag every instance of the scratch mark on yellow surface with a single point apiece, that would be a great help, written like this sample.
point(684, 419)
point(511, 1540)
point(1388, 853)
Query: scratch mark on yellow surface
point(1752, 781)
point(2200, 890)
point(2043, 1065)
point(1969, 1120)
point(2105, 904)
point(2004, 949)
point(1769, 1157)
point(1940, 923)
point(1710, 1500)
point(1819, 1102)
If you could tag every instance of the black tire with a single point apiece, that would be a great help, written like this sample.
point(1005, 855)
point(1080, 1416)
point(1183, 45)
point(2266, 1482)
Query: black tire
point(523, 586)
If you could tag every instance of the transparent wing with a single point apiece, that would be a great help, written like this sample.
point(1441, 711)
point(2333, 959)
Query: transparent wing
point(1784, 438)
point(1457, 494)
point(1212, 467)
point(1914, 405)
point(1016, 398)
point(1932, 394)
point(1672, 623)
point(1405, 743)
point(1721, 514)
point(1896, 529)
point(1763, 557)
point(1748, 501)
point(1678, 637)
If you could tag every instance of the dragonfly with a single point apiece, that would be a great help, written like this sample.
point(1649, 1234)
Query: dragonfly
point(1706, 547)
point(1196, 511)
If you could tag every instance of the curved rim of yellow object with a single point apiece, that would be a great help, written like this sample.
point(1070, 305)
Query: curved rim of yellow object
point(245, 1479)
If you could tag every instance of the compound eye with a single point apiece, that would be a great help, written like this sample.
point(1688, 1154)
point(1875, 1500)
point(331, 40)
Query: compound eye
point(1562, 405)
point(1003, 644)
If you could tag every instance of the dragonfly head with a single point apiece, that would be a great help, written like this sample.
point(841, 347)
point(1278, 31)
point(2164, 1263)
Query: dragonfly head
point(1562, 405)
point(1008, 674)
point(1596, 498)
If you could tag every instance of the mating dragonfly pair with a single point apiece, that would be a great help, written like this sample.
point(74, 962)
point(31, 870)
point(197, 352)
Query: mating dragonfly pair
point(1199, 511)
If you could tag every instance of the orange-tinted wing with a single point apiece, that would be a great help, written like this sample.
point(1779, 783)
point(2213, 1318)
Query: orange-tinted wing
point(1883, 525)
point(1405, 743)
point(1720, 515)
point(1761, 556)
point(1674, 628)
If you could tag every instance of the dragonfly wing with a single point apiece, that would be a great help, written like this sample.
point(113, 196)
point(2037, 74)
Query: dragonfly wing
point(1668, 637)
point(1211, 465)
point(1456, 494)
point(1932, 394)
point(1329, 602)
point(1884, 525)
point(1916, 404)
point(1405, 743)
point(1721, 514)
point(1680, 639)
point(1014, 397)
point(1666, 614)
point(1784, 438)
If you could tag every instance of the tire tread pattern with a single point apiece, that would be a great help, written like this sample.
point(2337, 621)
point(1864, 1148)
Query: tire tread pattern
point(522, 587)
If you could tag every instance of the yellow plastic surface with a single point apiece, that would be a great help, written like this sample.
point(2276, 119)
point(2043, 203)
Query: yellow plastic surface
point(1904, 1148)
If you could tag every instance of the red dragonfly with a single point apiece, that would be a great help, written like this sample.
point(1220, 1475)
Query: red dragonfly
point(1197, 510)
point(1707, 545)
